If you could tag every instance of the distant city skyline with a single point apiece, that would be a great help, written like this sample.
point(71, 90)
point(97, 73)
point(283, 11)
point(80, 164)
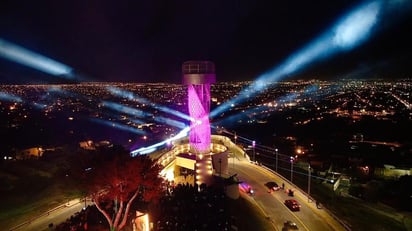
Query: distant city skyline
point(163, 107)
point(147, 41)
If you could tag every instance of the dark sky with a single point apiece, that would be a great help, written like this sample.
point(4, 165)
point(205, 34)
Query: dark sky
point(147, 40)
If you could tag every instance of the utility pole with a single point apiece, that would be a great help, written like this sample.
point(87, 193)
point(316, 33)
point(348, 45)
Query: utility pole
point(254, 158)
point(291, 169)
point(309, 172)
point(235, 137)
point(276, 153)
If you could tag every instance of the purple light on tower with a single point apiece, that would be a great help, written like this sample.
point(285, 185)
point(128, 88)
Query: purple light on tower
point(198, 75)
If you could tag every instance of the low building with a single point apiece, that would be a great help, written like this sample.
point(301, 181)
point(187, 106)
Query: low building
point(35, 152)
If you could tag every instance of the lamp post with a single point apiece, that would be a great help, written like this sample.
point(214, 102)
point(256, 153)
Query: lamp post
point(235, 137)
point(253, 145)
point(276, 153)
point(291, 168)
point(309, 172)
point(85, 202)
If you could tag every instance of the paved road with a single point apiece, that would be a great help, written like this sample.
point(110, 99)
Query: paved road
point(56, 216)
point(271, 204)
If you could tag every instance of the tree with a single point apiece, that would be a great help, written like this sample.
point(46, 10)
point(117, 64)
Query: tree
point(119, 181)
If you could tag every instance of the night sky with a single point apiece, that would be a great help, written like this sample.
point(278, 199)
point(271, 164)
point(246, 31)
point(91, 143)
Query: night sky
point(147, 41)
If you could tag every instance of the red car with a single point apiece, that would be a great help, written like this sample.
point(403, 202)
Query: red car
point(292, 204)
point(246, 188)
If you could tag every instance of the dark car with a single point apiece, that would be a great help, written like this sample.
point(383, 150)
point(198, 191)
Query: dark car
point(289, 225)
point(292, 204)
point(272, 186)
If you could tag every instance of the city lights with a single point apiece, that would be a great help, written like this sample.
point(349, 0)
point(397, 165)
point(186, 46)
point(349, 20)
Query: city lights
point(118, 126)
point(129, 95)
point(350, 31)
point(350, 134)
point(124, 109)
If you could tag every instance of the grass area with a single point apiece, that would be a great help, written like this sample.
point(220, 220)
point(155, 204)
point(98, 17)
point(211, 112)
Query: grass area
point(17, 211)
point(357, 213)
point(31, 187)
point(361, 216)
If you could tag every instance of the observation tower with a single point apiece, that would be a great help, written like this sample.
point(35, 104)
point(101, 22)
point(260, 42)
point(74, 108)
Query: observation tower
point(198, 76)
point(201, 156)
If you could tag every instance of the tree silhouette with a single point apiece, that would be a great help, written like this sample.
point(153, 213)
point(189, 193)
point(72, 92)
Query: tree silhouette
point(119, 181)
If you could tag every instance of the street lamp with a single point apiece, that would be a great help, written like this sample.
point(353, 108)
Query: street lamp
point(85, 199)
point(253, 145)
point(291, 168)
point(309, 171)
point(276, 153)
point(235, 137)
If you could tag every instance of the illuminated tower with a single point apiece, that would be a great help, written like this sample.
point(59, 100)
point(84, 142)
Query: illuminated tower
point(198, 75)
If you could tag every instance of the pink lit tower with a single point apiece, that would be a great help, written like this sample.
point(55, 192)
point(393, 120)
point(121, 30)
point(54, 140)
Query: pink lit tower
point(198, 75)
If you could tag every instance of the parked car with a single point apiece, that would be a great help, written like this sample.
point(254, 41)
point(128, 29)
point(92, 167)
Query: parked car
point(289, 225)
point(292, 204)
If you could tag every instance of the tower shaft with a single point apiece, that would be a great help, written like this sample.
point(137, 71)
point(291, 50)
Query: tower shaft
point(198, 75)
